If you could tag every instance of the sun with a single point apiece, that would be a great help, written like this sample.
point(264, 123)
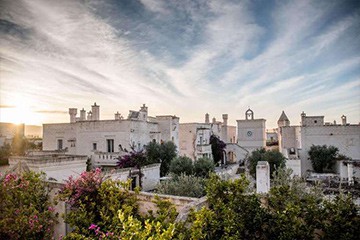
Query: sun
point(20, 112)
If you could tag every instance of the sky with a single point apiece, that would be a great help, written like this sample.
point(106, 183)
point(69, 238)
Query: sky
point(180, 57)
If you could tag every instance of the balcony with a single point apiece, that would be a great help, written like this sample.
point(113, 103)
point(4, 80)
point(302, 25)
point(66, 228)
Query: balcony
point(203, 148)
point(106, 158)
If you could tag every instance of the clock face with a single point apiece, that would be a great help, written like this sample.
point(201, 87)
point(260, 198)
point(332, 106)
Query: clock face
point(249, 133)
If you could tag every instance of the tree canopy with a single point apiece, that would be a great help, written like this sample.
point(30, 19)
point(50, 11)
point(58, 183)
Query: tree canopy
point(102, 208)
point(323, 157)
point(203, 167)
point(217, 148)
point(164, 153)
point(275, 159)
point(182, 165)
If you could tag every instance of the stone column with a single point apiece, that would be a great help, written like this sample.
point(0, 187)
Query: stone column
point(262, 177)
point(350, 169)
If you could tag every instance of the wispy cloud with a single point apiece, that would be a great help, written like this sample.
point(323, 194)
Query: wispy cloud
point(183, 57)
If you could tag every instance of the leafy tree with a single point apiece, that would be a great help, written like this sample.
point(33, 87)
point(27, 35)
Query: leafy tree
point(341, 218)
point(181, 165)
point(25, 208)
point(323, 157)
point(295, 211)
point(104, 209)
point(217, 148)
point(135, 159)
point(164, 153)
point(231, 212)
point(183, 185)
point(203, 167)
point(275, 159)
point(95, 200)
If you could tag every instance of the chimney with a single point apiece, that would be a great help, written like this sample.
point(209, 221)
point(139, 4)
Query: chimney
point(225, 119)
point(207, 120)
point(303, 116)
point(82, 115)
point(343, 119)
point(144, 108)
point(144, 113)
point(72, 112)
point(89, 116)
point(117, 116)
point(214, 120)
point(95, 109)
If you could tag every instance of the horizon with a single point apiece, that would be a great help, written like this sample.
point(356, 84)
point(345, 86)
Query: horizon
point(183, 58)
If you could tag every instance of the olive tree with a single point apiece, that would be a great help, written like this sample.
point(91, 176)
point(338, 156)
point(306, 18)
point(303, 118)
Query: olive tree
point(323, 157)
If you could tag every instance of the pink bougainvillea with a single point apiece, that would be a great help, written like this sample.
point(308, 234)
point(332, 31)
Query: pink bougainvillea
point(25, 209)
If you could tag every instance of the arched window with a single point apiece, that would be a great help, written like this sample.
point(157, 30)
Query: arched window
point(249, 114)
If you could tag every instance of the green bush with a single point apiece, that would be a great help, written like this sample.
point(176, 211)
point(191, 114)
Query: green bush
point(164, 153)
point(323, 157)
point(203, 167)
point(25, 208)
point(275, 159)
point(183, 185)
point(181, 165)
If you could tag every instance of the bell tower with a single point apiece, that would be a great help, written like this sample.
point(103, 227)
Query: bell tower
point(251, 132)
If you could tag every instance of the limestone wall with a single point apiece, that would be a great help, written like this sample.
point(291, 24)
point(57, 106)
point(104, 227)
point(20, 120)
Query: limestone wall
point(345, 137)
point(251, 133)
point(145, 201)
point(80, 137)
point(58, 168)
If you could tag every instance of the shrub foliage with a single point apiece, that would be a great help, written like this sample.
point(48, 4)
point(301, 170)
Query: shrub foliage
point(323, 157)
point(275, 159)
point(25, 208)
point(181, 165)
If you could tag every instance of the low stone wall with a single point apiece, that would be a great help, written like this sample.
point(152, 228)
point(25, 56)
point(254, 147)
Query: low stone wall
point(145, 201)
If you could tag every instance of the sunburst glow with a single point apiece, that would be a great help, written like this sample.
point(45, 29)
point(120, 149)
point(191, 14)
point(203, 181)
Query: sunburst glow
point(20, 112)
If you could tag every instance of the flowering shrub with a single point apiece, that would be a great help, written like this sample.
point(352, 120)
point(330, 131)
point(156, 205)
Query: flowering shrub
point(93, 199)
point(101, 208)
point(133, 159)
point(25, 209)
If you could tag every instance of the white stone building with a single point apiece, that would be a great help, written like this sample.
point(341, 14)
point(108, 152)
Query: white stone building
point(104, 140)
point(295, 141)
point(58, 167)
point(195, 137)
point(251, 132)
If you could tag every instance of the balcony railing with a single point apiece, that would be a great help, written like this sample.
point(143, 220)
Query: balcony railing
point(203, 148)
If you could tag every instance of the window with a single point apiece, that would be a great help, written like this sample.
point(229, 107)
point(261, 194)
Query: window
point(292, 151)
point(94, 146)
point(59, 144)
point(315, 121)
point(110, 145)
point(201, 140)
point(133, 183)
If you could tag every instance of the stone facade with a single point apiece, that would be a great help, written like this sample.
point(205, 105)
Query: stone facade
point(262, 177)
point(151, 176)
point(57, 167)
point(251, 132)
point(195, 137)
point(295, 141)
point(93, 136)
